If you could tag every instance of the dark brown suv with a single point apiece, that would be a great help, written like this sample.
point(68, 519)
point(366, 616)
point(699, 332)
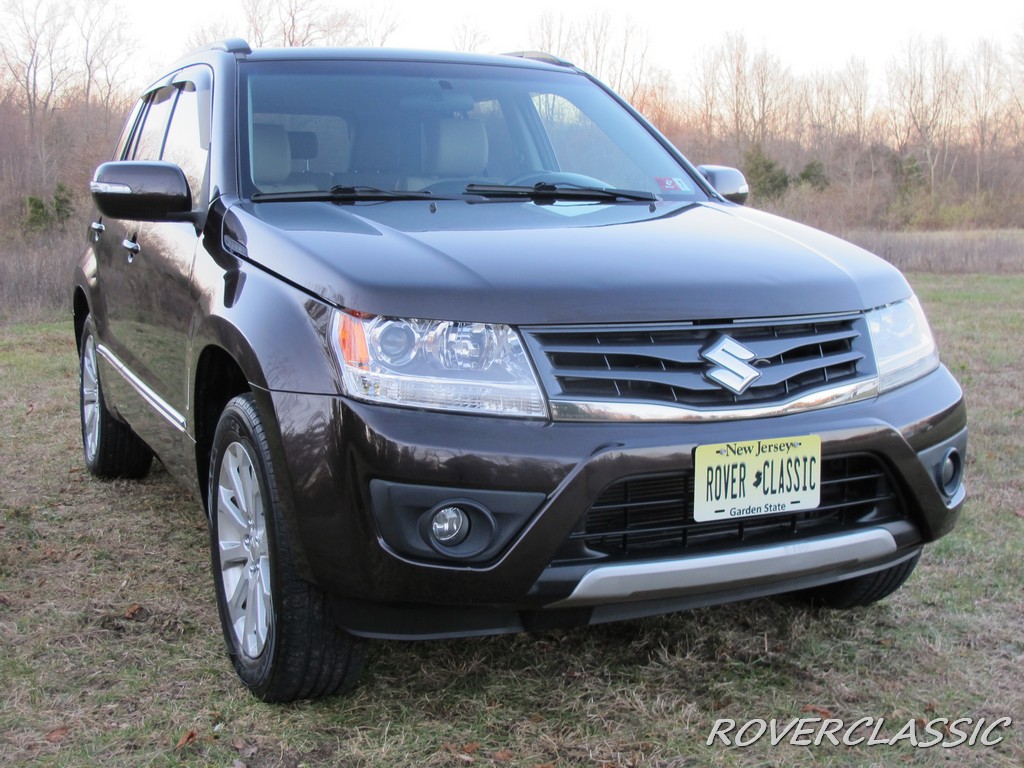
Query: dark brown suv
point(455, 345)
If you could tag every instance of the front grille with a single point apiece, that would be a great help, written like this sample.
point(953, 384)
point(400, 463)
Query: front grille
point(663, 364)
point(652, 516)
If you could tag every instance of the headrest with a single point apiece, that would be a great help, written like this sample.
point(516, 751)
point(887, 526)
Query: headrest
point(271, 154)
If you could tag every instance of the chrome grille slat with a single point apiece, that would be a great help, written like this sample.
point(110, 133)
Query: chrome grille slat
point(662, 364)
point(779, 374)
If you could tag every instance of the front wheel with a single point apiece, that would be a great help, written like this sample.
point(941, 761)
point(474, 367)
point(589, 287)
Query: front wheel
point(278, 628)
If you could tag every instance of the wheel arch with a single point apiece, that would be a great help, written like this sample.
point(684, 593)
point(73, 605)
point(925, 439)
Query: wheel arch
point(218, 378)
point(80, 310)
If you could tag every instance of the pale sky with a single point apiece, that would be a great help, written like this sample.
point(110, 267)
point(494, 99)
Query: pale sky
point(806, 35)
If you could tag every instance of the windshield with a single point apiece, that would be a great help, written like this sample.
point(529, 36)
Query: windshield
point(439, 127)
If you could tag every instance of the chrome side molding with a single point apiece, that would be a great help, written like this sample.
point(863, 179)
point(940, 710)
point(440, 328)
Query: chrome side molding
point(154, 400)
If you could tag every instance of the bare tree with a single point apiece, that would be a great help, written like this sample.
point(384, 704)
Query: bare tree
point(376, 23)
point(771, 91)
point(35, 54)
point(103, 54)
point(468, 36)
point(1016, 90)
point(285, 23)
point(986, 90)
point(705, 112)
point(734, 90)
point(925, 86)
point(211, 31)
point(554, 34)
point(616, 52)
point(629, 72)
point(299, 23)
point(294, 23)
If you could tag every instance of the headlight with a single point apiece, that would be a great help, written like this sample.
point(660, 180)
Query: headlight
point(442, 365)
point(903, 343)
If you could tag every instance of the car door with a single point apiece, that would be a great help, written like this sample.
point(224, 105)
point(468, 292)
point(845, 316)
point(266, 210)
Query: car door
point(146, 270)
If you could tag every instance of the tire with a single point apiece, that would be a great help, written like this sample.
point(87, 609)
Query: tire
point(863, 590)
point(110, 446)
point(279, 629)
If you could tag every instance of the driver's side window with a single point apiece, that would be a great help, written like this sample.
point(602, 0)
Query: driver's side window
point(183, 145)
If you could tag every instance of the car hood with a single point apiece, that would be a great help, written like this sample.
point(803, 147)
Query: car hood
point(527, 263)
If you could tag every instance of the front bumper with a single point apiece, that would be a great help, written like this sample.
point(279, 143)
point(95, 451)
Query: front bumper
point(360, 478)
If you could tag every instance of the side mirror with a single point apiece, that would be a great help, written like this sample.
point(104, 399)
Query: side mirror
point(728, 182)
point(142, 191)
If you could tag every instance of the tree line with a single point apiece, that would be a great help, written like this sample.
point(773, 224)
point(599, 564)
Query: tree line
point(937, 143)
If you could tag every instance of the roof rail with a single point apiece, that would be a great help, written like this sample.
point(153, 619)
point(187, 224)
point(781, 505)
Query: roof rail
point(234, 45)
point(540, 56)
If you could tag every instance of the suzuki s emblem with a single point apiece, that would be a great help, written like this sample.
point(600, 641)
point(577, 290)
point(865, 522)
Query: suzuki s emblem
point(732, 365)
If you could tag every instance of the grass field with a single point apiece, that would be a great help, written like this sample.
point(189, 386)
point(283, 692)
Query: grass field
point(110, 652)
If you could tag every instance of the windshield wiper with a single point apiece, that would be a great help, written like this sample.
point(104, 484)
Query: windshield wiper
point(559, 191)
point(344, 194)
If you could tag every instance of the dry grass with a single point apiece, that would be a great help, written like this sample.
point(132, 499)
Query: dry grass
point(993, 251)
point(110, 651)
point(35, 273)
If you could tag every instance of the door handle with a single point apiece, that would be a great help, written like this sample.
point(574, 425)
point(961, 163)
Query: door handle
point(132, 248)
point(96, 229)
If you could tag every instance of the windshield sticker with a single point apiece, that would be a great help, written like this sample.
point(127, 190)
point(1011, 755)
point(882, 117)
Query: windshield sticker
point(673, 184)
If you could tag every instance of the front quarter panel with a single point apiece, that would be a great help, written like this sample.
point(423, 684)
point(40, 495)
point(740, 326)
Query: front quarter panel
point(275, 332)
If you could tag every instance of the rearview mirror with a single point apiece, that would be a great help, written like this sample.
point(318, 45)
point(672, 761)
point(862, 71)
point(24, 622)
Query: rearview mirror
point(142, 191)
point(728, 182)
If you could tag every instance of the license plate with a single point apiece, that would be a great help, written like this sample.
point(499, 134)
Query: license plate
point(733, 481)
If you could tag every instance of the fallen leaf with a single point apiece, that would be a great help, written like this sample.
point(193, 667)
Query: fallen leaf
point(133, 611)
point(245, 748)
point(57, 734)
point(502, 755)
point(458, 753)
point(472, 748)
point(819, 711)
point(189, 737)
point(31, 407)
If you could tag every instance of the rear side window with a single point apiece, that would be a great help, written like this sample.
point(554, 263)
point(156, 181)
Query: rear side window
point(151, 138)
point(122, 152)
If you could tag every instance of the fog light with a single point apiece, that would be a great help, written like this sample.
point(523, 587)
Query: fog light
point(450, 526)
point(950, 472)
